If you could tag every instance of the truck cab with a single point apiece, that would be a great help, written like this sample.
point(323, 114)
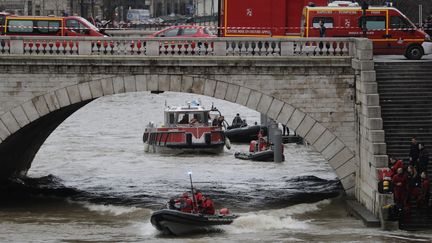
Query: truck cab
point(391, 31)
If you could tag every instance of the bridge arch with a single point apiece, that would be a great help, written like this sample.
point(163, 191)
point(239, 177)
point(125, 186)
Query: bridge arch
point(26, 126)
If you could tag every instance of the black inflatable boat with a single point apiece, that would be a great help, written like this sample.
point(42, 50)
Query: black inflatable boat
point(244, 134)
point(176, 222)
point(266, 155)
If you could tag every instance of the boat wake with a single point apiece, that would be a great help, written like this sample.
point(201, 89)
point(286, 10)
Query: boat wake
point(275, 219)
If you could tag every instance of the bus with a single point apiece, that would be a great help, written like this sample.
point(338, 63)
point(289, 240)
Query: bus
point(12, 25)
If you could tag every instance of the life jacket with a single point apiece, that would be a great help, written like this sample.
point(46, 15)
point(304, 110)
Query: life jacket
point(187, 206)
point(208, 207)
point(253, 146)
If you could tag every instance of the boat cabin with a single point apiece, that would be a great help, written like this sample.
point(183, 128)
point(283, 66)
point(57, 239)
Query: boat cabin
point(179, 116)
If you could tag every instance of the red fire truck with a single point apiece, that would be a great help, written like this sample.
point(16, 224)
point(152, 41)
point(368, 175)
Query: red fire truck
point(391, 31)
point(263, 18)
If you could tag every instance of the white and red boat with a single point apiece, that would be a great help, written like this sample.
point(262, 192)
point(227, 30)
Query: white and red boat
point(186, 129)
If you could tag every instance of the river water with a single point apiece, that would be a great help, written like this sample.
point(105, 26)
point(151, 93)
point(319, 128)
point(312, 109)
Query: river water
point(92, 182)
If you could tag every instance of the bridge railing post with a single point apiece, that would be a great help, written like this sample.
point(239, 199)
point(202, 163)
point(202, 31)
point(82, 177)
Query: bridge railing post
point(152, 48)
point(220, 48)
point(16, 46)
point(84, 47)
point(287, 48)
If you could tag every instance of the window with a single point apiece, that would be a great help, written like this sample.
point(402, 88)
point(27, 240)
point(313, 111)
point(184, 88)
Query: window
point(208, 31)
point(169, 33)
point(188, 31)
point(20, 26)
point(396, 22)
point(48, 26)
point(374, 22)
point(75, 25)
point(328, 22)
point(198, 117)
point(171, 118)
point(183, 118)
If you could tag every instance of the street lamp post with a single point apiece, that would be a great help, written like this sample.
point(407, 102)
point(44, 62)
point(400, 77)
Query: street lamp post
point(82, 8)
point(365, 6)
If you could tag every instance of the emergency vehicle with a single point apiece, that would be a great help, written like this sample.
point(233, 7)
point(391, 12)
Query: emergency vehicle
point(12, 25)
point(391, 31)
point(262, 18)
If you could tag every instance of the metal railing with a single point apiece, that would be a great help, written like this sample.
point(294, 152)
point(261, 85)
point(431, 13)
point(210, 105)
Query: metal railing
point(130, 46)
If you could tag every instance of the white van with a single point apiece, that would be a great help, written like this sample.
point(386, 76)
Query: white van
point(138, 16)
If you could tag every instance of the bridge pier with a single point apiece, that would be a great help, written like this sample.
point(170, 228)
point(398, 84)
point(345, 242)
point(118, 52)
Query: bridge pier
point(18, 150)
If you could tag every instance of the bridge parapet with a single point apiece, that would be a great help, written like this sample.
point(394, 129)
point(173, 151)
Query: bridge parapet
point(328, 47)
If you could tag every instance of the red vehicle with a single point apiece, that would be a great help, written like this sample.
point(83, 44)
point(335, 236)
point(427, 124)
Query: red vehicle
point(263, 18)
point(391, 31)
point(46, 26)
point(185, 31)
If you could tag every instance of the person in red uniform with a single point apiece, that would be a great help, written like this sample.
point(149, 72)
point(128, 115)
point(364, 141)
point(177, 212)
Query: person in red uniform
point(208, 206)
point(186, 204)
point(199, 200)
point(400, 186)
point(425, 189)
point(395, 165)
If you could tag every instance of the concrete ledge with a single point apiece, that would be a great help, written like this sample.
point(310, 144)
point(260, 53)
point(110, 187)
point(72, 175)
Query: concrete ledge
point(360, 212)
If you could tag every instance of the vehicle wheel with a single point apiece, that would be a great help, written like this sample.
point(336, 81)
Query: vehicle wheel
point(414, 52)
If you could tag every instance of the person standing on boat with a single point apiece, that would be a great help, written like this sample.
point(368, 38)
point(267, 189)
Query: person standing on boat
point(262, 142)
point(185, 119)
point(208, 206)
point(220, 121)
point(237, 121)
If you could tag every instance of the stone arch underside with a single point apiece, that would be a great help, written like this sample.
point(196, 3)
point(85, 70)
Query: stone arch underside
point(24, 128)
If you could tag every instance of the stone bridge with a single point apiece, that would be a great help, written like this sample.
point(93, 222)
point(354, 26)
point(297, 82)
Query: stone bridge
point(324, 90)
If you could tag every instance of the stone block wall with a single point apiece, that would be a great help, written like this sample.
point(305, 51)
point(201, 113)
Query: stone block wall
point(369, 127)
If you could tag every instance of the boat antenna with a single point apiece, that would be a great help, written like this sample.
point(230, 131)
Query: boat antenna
point(192, 191)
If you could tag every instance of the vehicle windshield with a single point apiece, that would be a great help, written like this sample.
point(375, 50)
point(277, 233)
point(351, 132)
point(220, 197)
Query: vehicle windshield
point(90, 25)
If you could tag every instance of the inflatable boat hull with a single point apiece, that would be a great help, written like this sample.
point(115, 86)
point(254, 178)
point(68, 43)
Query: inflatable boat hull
point(266, 156)
point(179, 223)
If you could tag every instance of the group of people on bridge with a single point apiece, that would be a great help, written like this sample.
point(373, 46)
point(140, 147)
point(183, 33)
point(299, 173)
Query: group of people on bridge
point(198, 204)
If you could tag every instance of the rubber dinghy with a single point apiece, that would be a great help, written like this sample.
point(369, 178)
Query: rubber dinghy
point(175, 222)
point(265, 156)
point(244, 134)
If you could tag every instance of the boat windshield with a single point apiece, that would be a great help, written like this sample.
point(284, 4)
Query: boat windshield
point(189, 118)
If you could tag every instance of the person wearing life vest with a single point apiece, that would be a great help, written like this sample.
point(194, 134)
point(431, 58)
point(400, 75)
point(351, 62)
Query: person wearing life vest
point(400, 188)
point(199, 200)
point(186, 204)
point(395, 165)
point(207, 206)
point(262, 144)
